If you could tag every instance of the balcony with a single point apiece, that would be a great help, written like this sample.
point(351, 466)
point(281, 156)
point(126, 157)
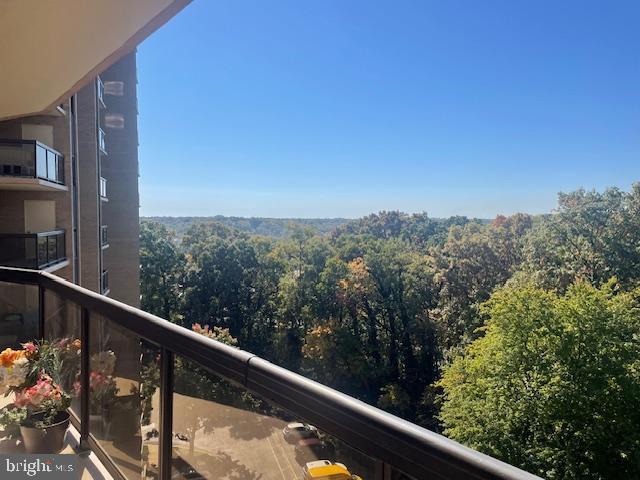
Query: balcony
point(39, 251)
point(30, 165)
point(181, 405)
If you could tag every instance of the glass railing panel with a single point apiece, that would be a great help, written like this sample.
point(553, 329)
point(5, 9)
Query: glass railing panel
point(222, 431)
point(102, 140)
point(52, 166)
point(19, 310)
point(16, 159)
point(18, 251)
point(62, 329)
point(43, 248)
point(395, 474)
point(52, 248)
point(60, 243)
point(41, 161)
point(60, 172)
point(123, 406)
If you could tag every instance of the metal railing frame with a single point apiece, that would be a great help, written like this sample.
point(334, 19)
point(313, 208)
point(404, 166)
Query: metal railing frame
point(393, 442)
point(60, 177)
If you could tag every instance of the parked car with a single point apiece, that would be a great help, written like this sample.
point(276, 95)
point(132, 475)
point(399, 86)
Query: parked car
point(327, 470)
point(296, 431)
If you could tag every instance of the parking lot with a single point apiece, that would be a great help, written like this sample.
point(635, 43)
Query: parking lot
point(229, 443)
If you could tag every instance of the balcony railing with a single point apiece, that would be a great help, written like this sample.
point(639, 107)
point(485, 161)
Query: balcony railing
point(32, 250)
point(31, 159)
point(175, 404)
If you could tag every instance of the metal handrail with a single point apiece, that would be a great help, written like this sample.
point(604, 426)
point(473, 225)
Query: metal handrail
point(22, 141)
point(394, 442)
point(32, 234)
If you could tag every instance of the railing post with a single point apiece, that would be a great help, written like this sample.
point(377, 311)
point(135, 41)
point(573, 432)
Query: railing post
point(166, 413)
point(35, 160)
point(85, 360)
point(41, 311)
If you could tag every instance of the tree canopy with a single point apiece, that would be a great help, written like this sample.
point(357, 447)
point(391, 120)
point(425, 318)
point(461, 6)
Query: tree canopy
point(553, 385)
point(509, 335)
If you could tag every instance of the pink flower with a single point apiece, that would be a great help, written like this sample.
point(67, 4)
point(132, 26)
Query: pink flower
point(30, 347)
point(44, 389)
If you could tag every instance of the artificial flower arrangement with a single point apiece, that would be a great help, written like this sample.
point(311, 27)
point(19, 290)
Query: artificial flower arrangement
point(33, 376)
point(39, 376)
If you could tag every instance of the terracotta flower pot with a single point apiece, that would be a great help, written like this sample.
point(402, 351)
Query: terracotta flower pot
point(45, 440)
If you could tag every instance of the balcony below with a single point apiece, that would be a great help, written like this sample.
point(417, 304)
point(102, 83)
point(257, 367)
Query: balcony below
point(30, 165)
point(39, 251)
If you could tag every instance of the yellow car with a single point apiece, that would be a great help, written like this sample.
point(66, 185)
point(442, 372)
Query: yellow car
point(326, 470)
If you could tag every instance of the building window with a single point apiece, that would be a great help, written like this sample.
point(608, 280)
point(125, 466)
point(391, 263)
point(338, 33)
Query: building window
point(104, 282)
point(103, 187)
point(102, 143)
point(104, 238)
point(100, 88)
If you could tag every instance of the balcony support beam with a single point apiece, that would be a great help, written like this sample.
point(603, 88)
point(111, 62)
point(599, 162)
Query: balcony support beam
point(41, 311)
point(85, 367)
point(166, 413)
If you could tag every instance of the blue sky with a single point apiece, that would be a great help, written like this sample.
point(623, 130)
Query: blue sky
point(339, 108)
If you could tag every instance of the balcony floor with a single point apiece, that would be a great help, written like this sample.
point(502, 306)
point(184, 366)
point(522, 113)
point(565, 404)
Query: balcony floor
point(89, 465)
point(30, 184)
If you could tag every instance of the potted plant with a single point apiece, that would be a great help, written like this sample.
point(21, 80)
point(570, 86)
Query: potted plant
point(40, 405)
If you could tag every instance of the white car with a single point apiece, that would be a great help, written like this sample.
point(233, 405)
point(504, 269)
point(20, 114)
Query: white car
point(297, 431)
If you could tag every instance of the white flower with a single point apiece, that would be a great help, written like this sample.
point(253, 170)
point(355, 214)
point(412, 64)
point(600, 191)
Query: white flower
point(13, 376)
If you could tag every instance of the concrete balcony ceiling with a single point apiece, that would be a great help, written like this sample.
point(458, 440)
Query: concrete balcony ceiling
point(51, 48)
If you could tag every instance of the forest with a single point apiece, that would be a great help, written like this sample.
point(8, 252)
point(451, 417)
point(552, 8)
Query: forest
point(264, 226)
point(519, 336)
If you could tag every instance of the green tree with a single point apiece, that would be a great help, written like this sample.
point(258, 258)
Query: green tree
point(593, 236)
point(161, 271)
point(553, 386)
point(231, 282)
point(473, 261)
